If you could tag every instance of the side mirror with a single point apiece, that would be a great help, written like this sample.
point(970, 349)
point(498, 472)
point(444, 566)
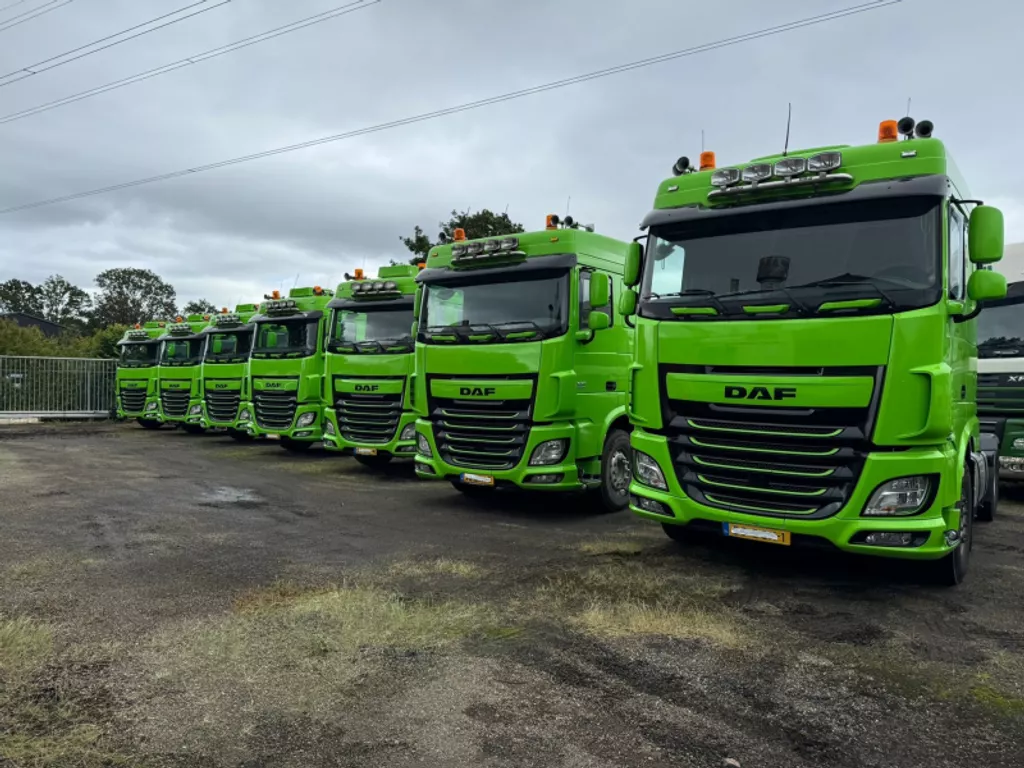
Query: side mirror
point(416, 302)
point(631, 270)
point(598, 321)
point(414, 329)
point(986, 285)
point(600, 290)
point(986, 235)
point(627, 303)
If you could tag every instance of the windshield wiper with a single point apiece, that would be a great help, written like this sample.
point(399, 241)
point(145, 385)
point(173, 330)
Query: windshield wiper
point(777, 289)
point(712, 295)
point(848, 279)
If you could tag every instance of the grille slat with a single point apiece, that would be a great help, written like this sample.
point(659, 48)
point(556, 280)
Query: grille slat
point(275, 409)
point(133, 400)
point(175, 401)
point(222, 406)
point(481, 434)
point(779, 462)
point(368, 418)
point(1000, 394)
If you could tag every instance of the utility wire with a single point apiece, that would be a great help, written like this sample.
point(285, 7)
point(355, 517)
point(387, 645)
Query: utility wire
point(319, 18)
point(33, 13)
point(62, 59)
point(729, 41)
point(12, 5)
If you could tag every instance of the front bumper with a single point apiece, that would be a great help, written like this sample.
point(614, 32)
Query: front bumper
point(403, 449)
point(152, 411)
point(839, 529)
point(566, 471)
point(1011, 468)
point(311, 433)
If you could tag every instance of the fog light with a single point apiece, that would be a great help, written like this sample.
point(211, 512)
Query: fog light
point(422, 466)
point(1011, 463)
point(902, 496)
point(152, 406)
point(423, 445)
point(409, 433)
point(328, 427)
point(306, 419)
point(647, 471)
point(244, 416)
point(406, 449)
point(195, 410)
point(952, 537)
point(544, 479)
point(548, 452)
point(889, 539)
point(649, 505)
point(1018, 444)
point(304, 433)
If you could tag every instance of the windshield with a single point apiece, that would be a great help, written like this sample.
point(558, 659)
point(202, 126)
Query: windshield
point(181, 351)
point(140, 355)
point(887, 249)
point(1001, 329)
point(294, 337)
point(375, 330)
point(228, 346)
point(518, 310)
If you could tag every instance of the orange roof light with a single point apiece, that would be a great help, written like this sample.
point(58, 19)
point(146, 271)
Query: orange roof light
point(179, 319)
point(276, 294)
point(359, 273)
point(223, 310)
point(206, 317)
point(318, 291)
point(707, 161)
point(459, 234)
point(138, 325)
point(551, 221)
point(888, 130)
point(422, 265)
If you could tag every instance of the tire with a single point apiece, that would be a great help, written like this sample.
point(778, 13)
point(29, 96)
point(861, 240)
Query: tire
point(193, 429)
point(675, 532)
point(149, 424)
point(240, 435)
point(952, 569)
point(616, 471)
point(295, 446)
point(987, 508)
point(374, 462)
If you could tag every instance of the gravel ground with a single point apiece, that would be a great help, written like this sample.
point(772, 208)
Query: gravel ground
point(171, 600)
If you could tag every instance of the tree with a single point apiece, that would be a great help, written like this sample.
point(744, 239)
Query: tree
point(483, 223)
point(199, 307)
point(20, 296)
point(130, 295)
point(64, 303)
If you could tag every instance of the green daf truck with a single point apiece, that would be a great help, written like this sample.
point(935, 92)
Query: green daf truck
point(137, 374)
point(520, 376)
point(286, 369)
point(806, 359)
point(225, 370)
point(179, 370)
point(369, 361)
point(1001, 378)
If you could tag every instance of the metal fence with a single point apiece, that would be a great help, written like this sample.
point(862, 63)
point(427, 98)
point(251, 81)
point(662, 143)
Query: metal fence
point(56, 387)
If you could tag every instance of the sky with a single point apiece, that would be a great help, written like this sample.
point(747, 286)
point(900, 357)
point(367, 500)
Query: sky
point(599, 148)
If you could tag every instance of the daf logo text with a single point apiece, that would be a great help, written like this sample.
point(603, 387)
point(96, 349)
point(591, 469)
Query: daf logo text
point(735, 392)
point(477, 391)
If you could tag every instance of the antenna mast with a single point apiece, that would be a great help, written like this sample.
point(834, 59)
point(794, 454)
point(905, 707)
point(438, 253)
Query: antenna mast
point(789, 122)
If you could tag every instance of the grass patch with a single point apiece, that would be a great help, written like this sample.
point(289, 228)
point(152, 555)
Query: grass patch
point(24, 644)
point(611, 547)
point(990, 697)
point(624, 619)
point(440, 567)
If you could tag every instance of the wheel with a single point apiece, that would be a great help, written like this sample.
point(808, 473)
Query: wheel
point(472, 491)
point(240, 435)
point(675, 532)
point(987, 508)
point(295, 446)
point(374, 462)
point(149, 424)
point(616, 471)
point(952, 569)
point(193, 429)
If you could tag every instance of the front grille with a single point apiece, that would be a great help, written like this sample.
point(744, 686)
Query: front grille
point(481, 434)
point(175, 401)
point(775, 462)
point(1001, 394)
point(368, 418)
point(221, 405)
point(133, 400)
point(275, 410)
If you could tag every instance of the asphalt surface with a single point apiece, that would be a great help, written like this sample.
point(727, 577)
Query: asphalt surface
point(172, 600)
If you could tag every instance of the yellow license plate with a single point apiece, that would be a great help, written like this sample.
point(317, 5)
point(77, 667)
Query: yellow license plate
point(366, 451)
point(470, 479)
point(756, 533)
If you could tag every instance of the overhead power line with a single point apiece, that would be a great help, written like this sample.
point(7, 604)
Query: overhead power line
point(33, 13)
point(319, 18)
point(511, 95)
point(84, 50)
point(12, 5)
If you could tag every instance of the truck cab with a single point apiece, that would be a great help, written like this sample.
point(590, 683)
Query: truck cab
point(180, 364)
point(369, 361)
point(1001, 378)
point(138, 395)
point(286, 369)
point(806, 350)
point(225, 368)
point(520, 377)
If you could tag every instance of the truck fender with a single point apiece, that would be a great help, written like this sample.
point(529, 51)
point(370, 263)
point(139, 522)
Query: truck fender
point(618, 414)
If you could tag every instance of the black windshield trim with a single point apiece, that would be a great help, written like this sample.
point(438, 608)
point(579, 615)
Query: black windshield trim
point(137, 342)
point(369, 305)
point(559, 262)
point(249, 327)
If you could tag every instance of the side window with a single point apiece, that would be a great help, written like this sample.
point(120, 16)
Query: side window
point(956, 253)
point(585, 308)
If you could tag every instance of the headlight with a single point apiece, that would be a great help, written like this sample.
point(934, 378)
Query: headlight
point(725, 177)
point(824, 161)
point(895, 498)
point(1018, 444)
point(195, 410)
point(548, 452)
point(647, 471)
point(152, 406)
point(306, 419)
point(328, 427)
point(423, 445)
point(244, 415)
point(409, 433)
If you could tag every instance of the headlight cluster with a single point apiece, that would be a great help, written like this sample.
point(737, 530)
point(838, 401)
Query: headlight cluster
point(786, 168)
point(306, 419)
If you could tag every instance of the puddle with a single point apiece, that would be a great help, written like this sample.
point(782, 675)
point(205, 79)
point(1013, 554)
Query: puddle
point(224, 494)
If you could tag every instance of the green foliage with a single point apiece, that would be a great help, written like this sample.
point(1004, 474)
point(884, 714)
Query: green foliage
point(15, 340)
point(130, 295)
point(199, 307)
point(64, 303)
point(20, 296)
point(483, 223)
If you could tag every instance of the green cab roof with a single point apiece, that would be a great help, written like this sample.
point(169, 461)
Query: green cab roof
point(402, 275)
point(528, 245)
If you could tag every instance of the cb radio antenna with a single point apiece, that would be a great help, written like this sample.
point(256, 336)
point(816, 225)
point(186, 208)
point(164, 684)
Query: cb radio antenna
point(789, 122)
